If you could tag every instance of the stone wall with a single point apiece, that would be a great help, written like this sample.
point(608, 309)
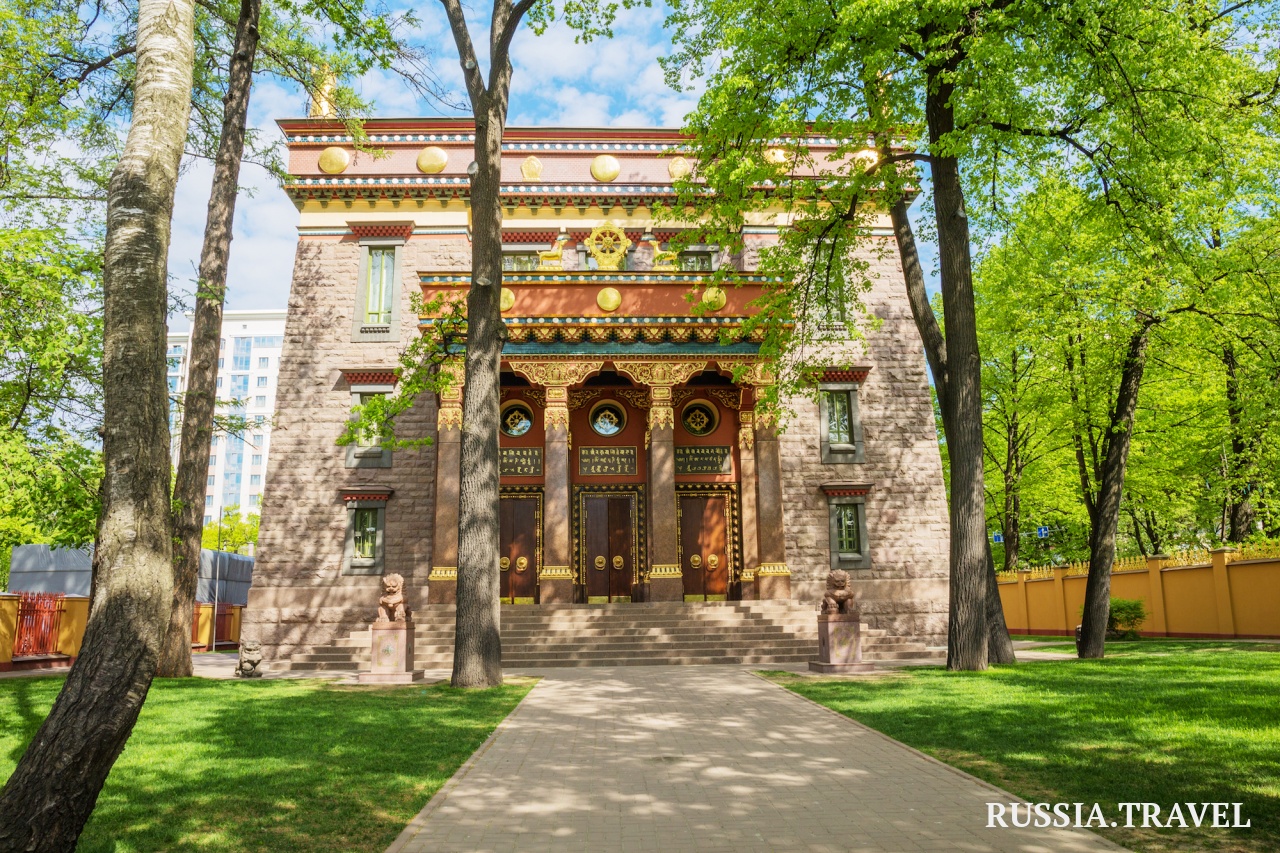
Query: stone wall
point(299, 597)
point(905, 590)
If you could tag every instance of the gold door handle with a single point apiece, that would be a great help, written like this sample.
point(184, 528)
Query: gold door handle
point(618, 561)
point(599, 561)
point(695, 560)
point(713, 561)
point(522, 563)
point(504, 563)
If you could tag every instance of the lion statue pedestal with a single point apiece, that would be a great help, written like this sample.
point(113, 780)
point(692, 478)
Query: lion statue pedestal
point(392, 649)
point(840, 629)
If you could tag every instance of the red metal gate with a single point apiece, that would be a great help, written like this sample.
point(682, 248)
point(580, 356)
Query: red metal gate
point(39, 615)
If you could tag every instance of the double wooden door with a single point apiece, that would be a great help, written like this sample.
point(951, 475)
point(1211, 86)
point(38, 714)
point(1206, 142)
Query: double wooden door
point(704, 545)
point(519, 550)
point(607, 546)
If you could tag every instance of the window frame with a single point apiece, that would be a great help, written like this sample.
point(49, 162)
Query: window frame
point(833, 453)
point(360, 330)
point(848, 559)
point(372, 456)
point(353, 565)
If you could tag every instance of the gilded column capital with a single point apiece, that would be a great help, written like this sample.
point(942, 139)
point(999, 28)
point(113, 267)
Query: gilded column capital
point(746, 430)
point(553, 374)
point(661, 416)
point(660, 374)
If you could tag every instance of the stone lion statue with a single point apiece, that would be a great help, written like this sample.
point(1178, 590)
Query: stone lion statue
point(391, 606)
point(839, 598)
point(250, 659)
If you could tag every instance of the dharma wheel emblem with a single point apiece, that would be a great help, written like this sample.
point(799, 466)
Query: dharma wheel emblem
point(608, 244)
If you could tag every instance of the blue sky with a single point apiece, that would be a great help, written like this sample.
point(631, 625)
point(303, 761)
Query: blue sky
point(615, 82)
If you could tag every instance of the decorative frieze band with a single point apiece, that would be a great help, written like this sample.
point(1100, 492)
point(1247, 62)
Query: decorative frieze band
point(772, 570)
point(664, 570)
point(555, 573)
point(443, 573)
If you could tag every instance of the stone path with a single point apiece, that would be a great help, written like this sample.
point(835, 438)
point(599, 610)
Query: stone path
point(705, 759)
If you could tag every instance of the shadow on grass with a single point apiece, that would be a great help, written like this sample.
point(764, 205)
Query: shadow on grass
point(1158, 729)
point(281, 765)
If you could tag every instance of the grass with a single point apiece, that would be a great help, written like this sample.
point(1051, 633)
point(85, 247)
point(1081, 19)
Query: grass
point(270, 765)
point(1154, 722)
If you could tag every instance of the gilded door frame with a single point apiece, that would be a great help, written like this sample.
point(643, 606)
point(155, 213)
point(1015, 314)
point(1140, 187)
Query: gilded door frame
point(638, 532)
point(525, 492)
point(733, 524)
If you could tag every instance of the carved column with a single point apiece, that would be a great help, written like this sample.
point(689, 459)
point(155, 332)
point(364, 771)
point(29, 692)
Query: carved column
point(664, 575)
point(442, 583)
point(773, 578)
point(555, 578)
point(750, 538)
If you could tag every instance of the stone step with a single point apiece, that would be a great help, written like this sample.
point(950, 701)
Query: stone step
point(710, 647)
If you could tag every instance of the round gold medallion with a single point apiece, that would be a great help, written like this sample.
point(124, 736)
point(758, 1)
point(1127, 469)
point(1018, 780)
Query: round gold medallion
point(432, 159)
point(507, 300)
point(776, 156)
point(599, 561)
point(609, 299)
point(334, 160)
point(679, 168)
point(605, 168)
point(714, 298)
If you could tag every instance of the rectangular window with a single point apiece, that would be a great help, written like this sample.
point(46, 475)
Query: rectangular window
point(366, 534)
point(260, 401)
point(208, 519)
point(839, 426)
point(257, 439)
point(268, 342)
point(208, 500)
point(240, 349)
point(213, 460)
point(849, 529)
point(173, 384)
point(254, 500)
point(255, 479)
point(210, 480)
point(218, 383)
point(264, 363)
point(380, 287)
point(239, 384)
point(259, 419)
point(257, 459)
point(371, 435)
point(213, 442)
point(175, 363)
point(262, 382)
point(222, 362)
point(519, 261)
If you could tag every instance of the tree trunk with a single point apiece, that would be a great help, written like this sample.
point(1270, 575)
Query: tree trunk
point(477, 656)
point(999, 643)
point(206, 331)
point(962, 404)
point(1240, 512)
point(51, 794)
point(1012, 497)
point(1106, 519)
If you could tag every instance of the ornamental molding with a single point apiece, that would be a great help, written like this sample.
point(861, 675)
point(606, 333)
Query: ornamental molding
point(660, 373)
point(366, 493)
point(661, 416)
point(772, 570)
point(579, 397)
point(402, 230)
point(730, 398)
point(841, 374)
point(449, 417)
point(555, 573)
point(664, 570)
point(637, 397)
point(369, 376)
point(556, 373)
point(846, 490)
point(443, 573)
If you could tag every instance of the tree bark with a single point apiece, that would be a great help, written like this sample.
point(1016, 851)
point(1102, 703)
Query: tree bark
point(962, 404)
point(999, 643)
point(206, 330)
point(49, 797)
point(1240, 511)
point(477, 655)
point(1106, 517)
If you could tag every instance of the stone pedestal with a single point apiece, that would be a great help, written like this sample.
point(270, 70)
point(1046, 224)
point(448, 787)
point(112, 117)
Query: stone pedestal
point(840, 644)
point(392, 654)
point(555, 585)
point(666, 587)
point(772, 583)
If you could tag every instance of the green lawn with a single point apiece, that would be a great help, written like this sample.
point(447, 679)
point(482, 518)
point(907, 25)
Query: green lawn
point(270, 765)
point(1155, 722)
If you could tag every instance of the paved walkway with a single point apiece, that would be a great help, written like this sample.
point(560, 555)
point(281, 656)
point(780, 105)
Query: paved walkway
point(707, 759)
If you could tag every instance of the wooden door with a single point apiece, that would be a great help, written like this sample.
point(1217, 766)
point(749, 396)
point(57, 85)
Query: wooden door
point(608, 554)
point(704, 546)
point(518, 548)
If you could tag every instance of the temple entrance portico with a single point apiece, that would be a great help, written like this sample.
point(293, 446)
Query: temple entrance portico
point(625, 479)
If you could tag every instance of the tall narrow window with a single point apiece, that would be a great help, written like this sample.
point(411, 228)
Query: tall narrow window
point(838, 423)
point(380, 287)
point(371, 435)
point(848, 536)
point(366, 526)
point(366, 534)
point(847, 505)
point(838, 431)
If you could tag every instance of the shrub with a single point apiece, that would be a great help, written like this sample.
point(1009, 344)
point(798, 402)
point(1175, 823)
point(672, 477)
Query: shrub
point(1126, 617)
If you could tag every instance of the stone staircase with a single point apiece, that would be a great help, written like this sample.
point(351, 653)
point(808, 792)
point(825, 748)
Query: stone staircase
point(736, 632)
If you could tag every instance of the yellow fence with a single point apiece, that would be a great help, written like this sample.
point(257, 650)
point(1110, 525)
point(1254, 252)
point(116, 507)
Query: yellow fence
point(75, 617)
point(1222, 593)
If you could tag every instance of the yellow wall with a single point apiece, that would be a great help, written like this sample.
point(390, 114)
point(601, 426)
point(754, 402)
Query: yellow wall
point(75, 617)
point(1190, 599)
point(1255, 597)
point(8, 626)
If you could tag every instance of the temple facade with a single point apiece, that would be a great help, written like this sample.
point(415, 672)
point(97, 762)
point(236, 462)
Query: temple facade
point(634, 466)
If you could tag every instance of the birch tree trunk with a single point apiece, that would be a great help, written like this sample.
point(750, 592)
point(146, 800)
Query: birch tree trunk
point(206, 329)
point(49, 797)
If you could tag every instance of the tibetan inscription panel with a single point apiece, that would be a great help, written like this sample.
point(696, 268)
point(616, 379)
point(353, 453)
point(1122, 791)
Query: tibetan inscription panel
point(704, 459)
point(604, 461)
point(521, 462)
